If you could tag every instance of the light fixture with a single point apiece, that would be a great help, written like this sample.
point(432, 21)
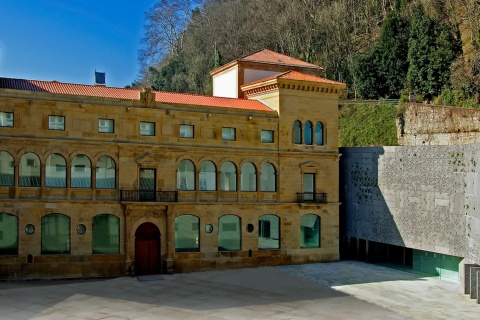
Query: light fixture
point(249, 117)
point(128, 109)
point(209, 115)
point(167, 112)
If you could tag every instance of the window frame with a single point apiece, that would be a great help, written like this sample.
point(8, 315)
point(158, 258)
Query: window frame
point(316, 234)
point(308, 133)
point(149, 133)
point(229, 136)
point(51, 170)
point(183, 221)
point(182, 133)
point(319, 135)
point(56, 125)
point(7, 176)
point(229, 237)
point(103, 220)
point(4, 121)
point(264, 236)
point(112, 121)
point(228, 176)
point(59, 218)
point(184, 176)
point(11, 223)
point(297, 132)
point(272, 132)
point(107, 170)
point(267, 180)
point(28, 177)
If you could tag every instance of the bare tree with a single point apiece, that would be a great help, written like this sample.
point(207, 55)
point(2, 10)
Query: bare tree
point(166, 23)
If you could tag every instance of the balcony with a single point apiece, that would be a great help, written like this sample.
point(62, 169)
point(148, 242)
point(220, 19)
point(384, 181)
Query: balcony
point(311, 197)
point(148, 196)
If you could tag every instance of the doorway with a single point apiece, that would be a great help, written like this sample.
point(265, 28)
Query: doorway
point(147, 249)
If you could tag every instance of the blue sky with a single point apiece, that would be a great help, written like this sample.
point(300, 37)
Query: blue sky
point(66, 40)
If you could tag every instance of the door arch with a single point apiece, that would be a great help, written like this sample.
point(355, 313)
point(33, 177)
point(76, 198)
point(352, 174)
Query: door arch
point(147, 249)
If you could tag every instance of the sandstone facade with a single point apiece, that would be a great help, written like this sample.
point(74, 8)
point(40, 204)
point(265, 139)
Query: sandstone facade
point(151, 223)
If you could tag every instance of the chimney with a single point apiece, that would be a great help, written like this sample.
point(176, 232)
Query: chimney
point(100, 78)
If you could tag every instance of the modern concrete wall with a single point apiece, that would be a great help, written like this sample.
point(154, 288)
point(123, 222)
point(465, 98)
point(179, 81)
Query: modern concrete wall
point(424, 197)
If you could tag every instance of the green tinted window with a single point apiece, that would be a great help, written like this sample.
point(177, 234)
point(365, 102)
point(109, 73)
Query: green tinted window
point(106, 234)
point(55, 234)
point(187, 234)
point(8, 234)
point(229, 233)
point(310, 231)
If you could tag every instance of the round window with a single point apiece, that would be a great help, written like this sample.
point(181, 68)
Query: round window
point(81, 229)
point(208, 228)
point(29, 229)
point(250, 227)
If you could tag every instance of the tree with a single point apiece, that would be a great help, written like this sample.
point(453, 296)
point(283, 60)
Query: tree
point(382, 71)
point(166, 23)
point(432, 47)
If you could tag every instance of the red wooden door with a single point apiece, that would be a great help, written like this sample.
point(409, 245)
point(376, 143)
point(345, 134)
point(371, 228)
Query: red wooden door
point(147, 249)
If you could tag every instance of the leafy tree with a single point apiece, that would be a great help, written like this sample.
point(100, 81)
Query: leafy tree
point(382, 72)
point(432, 47)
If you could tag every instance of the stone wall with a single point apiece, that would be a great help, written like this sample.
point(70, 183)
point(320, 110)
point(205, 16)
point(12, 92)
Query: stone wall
point(438, 125)
point(415, 197)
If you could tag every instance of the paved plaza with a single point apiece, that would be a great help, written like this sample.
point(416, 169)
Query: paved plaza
point(341, 290)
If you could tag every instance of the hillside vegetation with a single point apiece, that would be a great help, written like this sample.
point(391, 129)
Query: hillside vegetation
point(368, 125)
point(379, 48)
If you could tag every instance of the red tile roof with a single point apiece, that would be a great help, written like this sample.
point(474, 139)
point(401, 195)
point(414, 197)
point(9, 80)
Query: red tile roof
point(268, 56)
point(129, 94)
point(295, 75)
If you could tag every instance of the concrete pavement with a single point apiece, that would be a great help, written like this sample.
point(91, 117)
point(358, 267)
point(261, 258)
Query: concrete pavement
point(342, 290)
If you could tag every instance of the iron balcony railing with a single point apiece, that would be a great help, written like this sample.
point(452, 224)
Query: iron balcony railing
point(148, 196)
point(311, 197)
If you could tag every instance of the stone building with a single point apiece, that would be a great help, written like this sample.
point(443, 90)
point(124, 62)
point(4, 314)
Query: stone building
point(101, 181)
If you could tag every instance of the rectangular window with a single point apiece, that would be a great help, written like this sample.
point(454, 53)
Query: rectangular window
point(229, 227)
point(6, 119)
point(56, 123)
point(228, 134)
point(31, 163)
point(186, 131)
point(105, 125)
point(79, 168)
point(309, 186)
point(147, 128)
point(267, 136)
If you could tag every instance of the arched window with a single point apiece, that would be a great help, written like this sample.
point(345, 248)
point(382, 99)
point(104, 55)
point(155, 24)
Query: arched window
point(228, 177)
point(55, 234)
point(319, 134)
point(248, 177)
point(310, 231)
point(7, 169)
point(229, 233)
point(308, 133)
point(29, 173)
point(186, 175)
point(208, 176)
point(81, 172)
point(9, 234)
point(56, 171)
point(269, 232)
point(297, 132)
point(105, 234)
point(105, 173)
point(267, 178)
point(187, 233)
